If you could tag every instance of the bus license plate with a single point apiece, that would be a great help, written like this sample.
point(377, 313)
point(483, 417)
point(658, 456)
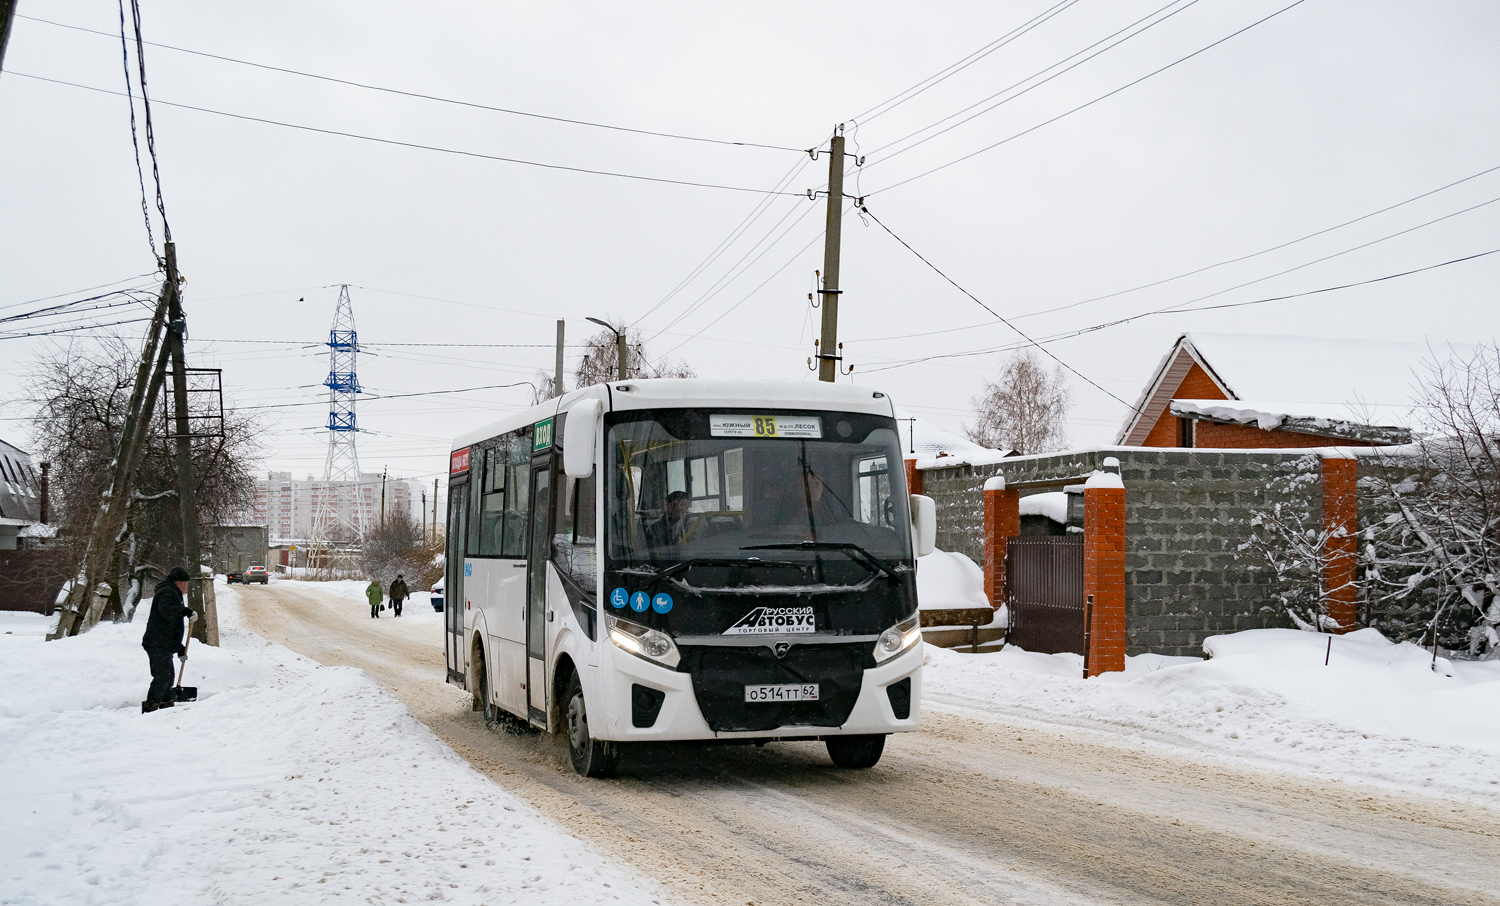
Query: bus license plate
point(791, 692)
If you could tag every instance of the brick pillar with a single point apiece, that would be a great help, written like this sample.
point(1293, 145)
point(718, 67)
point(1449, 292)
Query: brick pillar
point(913, 477)
point(1002, 520)
point(1104, 571)
point(1341, 521)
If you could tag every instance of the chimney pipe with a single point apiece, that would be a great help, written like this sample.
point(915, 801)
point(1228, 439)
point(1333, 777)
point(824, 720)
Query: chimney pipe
point(46, 503)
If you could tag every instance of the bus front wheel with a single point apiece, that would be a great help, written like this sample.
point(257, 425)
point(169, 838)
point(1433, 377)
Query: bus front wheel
point(591, 757)
point(856, 751)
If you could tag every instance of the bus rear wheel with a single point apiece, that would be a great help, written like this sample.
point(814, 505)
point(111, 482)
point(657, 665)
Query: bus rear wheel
point(856, 752)
point(591, 757)
point(482, 691)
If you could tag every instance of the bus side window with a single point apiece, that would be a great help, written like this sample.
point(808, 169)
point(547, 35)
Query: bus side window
point(475, 498)
point(491, 511)
point(517, 497)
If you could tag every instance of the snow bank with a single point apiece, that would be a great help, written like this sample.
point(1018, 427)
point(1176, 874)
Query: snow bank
point(287, 782)
point(948, 581)
point(1377, 712)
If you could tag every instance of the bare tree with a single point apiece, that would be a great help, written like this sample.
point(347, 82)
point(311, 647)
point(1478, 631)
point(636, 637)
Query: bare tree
point(77, 397)
point(600, 360)
point(398, 546)
point(1026, 410)
point(1432, 554)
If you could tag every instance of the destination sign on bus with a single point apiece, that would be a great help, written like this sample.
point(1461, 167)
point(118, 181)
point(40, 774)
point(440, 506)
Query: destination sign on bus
point(458, 462)
point(791, 427)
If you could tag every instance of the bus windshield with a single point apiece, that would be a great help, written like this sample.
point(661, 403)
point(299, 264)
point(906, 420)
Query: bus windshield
point(738, 489)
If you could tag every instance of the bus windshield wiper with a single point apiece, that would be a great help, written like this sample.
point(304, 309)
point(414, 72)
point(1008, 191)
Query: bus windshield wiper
point(847, 548)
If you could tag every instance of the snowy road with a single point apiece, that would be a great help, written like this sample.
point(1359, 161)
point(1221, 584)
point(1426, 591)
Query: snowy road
point(973, 809)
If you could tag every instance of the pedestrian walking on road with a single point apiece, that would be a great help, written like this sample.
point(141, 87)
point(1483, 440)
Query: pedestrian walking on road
point(374, 593)
point(399, 593)
point(165, 637)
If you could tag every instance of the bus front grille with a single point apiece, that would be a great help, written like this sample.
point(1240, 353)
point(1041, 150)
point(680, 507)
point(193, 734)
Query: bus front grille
point(720, 675)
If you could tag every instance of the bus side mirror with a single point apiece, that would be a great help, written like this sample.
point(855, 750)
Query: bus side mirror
point(578, 438)
point(923, 524)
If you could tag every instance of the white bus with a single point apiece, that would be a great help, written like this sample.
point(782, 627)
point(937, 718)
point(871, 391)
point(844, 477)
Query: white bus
point(656, 560)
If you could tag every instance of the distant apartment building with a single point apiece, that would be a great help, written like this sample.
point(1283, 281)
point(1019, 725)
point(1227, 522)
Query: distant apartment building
point(289, 507)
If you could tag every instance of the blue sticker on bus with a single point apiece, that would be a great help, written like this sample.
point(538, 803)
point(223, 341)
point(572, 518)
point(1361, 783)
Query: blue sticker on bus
point(661, 603)
point(639, 602)
point(469, 570)
point(619, 597)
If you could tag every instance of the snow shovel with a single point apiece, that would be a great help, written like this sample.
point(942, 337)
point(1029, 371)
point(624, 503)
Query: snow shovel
point(180, 692)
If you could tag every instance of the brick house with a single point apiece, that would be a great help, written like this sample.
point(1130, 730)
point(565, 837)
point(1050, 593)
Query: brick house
point(1238, 391)
point(1226, 427)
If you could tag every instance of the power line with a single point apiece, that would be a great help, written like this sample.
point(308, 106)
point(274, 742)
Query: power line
point(865, 210)
point(1236, 260)
point(431, 97)
point(392, 396)
point(140, 63)
point(1034, 75)
point(1178, 310)
point(902, 97)
point(415, 145)
point(134, 143)
point(1087, 104)
point(86, 289)
point(63, 330)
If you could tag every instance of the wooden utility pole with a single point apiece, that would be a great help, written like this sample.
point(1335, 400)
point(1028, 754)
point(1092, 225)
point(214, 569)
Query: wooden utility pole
point(84, 606)
point(557, 371)
point(383, 470)
point(828, 353)
point(434, 508)
point(206, 627)
point(7, 15)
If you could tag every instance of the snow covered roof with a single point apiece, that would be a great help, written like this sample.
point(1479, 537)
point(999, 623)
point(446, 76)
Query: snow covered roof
point(929, 443)
point(1283, 377)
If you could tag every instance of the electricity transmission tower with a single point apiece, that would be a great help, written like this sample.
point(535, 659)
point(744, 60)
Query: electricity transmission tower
point(338, 516)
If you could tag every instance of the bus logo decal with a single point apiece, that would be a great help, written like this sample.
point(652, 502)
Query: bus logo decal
point(618, 598)
point(774, 621)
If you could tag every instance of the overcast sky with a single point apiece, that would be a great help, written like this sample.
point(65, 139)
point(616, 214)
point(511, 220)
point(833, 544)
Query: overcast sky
point(1326, 112)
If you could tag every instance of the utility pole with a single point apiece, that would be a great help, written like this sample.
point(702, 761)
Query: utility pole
point(828, 355)
point(83, 606)
point(557, 373)
point(434, 508)
point(206, 628)
point(621, 350)
point(383, 470)
point(7, 15)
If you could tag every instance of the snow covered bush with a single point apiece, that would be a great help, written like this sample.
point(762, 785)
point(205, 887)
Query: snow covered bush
point(1431, 556)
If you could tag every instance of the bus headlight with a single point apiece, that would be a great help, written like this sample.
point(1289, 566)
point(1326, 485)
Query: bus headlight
point(898, 638)
point(642, 641)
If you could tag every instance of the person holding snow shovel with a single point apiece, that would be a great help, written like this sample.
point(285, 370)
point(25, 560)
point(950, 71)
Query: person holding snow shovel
point(374, 592)
point(164, 636)
point(399, 593)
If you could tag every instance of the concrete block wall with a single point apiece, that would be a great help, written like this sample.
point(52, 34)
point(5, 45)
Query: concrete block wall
point(1187, 513)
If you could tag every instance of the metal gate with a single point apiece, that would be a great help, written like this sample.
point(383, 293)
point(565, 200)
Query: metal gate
point(1044, 591)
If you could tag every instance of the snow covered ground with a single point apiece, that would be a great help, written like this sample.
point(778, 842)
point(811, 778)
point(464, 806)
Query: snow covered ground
point(286, 782)
point(1376, 712)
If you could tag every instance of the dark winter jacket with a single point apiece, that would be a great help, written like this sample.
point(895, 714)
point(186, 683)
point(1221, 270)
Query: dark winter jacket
point(164, 628)
point(399, 591)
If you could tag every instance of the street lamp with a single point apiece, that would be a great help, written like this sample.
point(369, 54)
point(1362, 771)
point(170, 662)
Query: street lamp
point(619, 344)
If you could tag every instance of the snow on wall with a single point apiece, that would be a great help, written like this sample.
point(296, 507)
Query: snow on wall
point(946, 580)
point(1052, 504)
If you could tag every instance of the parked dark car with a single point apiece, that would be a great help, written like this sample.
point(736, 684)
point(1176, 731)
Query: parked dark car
point(437, 597)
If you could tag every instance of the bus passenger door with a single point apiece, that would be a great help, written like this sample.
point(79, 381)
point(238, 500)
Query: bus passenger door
point(454, 603)
point(536, 597)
